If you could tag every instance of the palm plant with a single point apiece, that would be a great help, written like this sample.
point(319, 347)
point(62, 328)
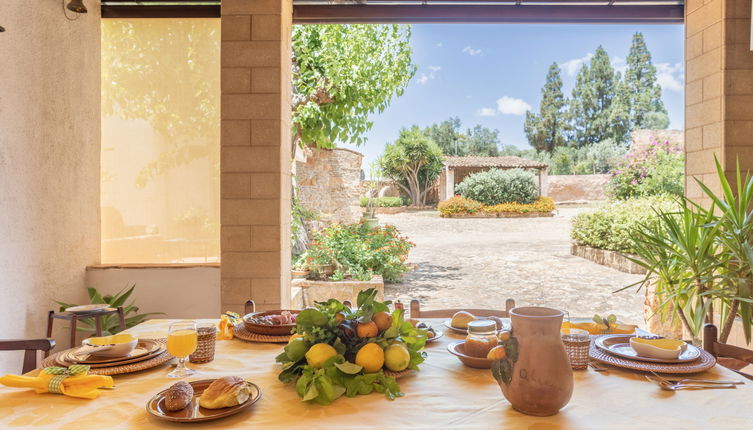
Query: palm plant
point(110, 323)
point(735, 225)
point(700, 258)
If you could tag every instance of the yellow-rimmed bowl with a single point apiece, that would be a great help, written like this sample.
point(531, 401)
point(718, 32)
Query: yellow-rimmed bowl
point(117, 345)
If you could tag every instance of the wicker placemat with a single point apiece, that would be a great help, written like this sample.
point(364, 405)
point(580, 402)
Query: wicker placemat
point(704, 362)
point(116, 370)
point(400, 374)
point(241, 332)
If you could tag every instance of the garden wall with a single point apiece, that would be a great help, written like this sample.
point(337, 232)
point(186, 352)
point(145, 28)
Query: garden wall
point(563, 188)
point(329, 182)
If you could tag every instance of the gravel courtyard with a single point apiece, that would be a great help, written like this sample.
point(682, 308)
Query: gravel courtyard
point(481, 262)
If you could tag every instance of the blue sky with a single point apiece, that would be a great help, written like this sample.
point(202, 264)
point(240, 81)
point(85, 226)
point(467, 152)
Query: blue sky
point(489, 74)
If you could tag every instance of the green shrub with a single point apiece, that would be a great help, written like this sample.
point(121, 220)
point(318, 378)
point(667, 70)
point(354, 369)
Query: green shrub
point(385, 202)
point(649, 171)
point(496, 186)
point(612, 225)
point(359, 251)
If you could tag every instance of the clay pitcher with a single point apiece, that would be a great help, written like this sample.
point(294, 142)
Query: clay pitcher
point(535, 376)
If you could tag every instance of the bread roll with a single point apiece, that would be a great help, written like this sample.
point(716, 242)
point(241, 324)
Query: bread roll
point(225, 392)
point(178, 396)
point(461, 319)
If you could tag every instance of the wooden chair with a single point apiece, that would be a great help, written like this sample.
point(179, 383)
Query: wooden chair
point(30, 348)
point(729, 356)
point(416, 312)
point(249, 307)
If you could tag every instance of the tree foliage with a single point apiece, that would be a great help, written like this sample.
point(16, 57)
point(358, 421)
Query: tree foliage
point(643, 91)
point(479, 140)
point(343, 73)
point(413, 161)
point(546, 130)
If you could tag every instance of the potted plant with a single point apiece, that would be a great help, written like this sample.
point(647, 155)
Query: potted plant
point(299, 269)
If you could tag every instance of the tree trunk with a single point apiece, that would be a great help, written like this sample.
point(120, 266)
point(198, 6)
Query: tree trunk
point(729, 321)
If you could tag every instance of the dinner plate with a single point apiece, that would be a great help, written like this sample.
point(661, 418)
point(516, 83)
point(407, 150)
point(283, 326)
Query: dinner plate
point(193, 413)
point(66, 359)
point(448, 323)
point(87, 308)
point(143, 347)
point(437, 335)
point(619, 345)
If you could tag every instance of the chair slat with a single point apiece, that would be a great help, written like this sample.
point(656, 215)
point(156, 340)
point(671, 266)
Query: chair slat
point(416, 312)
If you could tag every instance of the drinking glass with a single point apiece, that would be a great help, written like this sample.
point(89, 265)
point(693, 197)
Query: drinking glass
point(181, 342)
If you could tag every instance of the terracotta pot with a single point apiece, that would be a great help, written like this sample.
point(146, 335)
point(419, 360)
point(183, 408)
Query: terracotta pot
point(536, 377)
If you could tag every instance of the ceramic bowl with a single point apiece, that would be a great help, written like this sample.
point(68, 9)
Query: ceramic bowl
point(458, 349)
point(648, 350)
point(111, 346)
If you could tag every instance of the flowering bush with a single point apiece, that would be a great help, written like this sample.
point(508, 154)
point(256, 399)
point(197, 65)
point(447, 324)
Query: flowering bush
point(612, 225)
point(460, 206)
point(542, 204)
point(652, 170)
point(360, 251)
point(496, 186)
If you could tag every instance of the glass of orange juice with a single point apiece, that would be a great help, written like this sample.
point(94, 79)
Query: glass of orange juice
point(181, 342)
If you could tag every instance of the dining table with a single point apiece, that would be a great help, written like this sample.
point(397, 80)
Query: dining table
point(443, 394)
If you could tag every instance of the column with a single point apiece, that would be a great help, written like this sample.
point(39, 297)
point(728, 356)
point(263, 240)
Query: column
point(449, 182)
point(255, 160)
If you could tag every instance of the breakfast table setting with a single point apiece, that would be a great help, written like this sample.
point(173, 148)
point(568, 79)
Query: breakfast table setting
point(372, 367)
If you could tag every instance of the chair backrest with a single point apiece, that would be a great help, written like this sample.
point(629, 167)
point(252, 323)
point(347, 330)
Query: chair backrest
point(416, 312)
point(30, 348)
point(249, 307)
point(724, 351)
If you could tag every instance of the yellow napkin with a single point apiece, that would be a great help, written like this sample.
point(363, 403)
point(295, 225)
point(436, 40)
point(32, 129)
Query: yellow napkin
point(594, 328)
point(227, 321)
point(80, 385)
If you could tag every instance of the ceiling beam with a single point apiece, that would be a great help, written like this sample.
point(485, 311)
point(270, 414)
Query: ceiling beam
point(492, 13)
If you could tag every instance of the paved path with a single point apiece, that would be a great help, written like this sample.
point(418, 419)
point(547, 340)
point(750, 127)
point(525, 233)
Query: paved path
point(475, 262)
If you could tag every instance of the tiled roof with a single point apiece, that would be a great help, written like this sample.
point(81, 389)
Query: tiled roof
point(508, 161)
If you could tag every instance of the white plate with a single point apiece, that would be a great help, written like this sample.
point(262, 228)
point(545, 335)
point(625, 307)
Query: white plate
point(87, 308)
point(619, 345)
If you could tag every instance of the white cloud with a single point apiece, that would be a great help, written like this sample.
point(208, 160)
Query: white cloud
point(472, 52)
point(424, 78)
point(487, 111)
point(571, 67)
point(670, 76)
point(619, 64)
point(512, 106)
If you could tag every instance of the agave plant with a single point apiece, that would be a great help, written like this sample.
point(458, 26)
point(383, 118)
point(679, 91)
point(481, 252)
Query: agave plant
point(110, 323)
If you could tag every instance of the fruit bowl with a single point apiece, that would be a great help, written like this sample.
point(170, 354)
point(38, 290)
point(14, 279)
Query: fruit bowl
point(251, 321)
point(458, 349)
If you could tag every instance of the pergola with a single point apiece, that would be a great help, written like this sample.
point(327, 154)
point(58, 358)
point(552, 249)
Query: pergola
point(455, 169)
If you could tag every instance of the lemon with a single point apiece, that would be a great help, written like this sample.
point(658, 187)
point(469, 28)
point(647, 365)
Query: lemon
point(370, 357)
point(318, 354)
point(396, 357)
point(295, 336)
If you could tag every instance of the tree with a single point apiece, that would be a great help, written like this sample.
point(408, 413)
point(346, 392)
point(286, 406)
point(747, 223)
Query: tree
point(482, 141)
point(642, 90)
point(447, 135)
point(546, 130)
point(343, 73)
point(413, 162)
point(592, 108)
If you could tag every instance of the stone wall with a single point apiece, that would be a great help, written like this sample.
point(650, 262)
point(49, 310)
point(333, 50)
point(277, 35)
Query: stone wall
point(565, 188)
point(329, 182)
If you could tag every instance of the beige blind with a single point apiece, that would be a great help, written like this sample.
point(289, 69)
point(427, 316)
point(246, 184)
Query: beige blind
point(160, 140)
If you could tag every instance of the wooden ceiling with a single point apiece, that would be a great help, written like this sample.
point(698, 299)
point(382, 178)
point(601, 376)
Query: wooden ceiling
point(428, 11)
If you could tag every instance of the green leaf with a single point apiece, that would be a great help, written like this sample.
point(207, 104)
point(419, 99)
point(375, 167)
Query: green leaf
point(311, 393)
point(349, 368)
point(311, 317)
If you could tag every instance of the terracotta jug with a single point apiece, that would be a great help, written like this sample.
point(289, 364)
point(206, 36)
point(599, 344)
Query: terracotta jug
point(535, 376)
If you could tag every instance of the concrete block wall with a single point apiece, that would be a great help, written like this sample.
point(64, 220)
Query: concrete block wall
point(255, 160)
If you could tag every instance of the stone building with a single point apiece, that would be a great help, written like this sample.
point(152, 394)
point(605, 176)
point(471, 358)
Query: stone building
point(455, 169)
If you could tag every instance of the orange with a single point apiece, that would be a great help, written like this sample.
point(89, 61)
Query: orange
point(368, 329)
point(383, 320)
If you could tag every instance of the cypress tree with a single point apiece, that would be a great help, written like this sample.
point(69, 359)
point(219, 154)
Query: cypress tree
point(593, 95)
point(642, 91)
point(546, 130)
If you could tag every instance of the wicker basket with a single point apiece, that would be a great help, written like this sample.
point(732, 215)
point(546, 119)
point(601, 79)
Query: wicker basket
point(577, 347)
point(205, 345)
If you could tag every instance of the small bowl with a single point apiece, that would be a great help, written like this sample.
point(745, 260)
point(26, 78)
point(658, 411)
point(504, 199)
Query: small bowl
point(270, 330)
point(118, 345)
point(458, 349)
point(653, 351)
